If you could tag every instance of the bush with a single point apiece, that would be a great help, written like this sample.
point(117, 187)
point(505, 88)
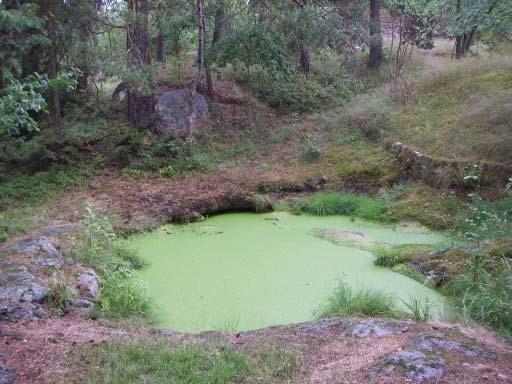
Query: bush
point(59, 297)
point(333, 203)
point(346, 301)
point(387, 256)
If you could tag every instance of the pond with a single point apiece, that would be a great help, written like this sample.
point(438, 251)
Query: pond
point(242, 271)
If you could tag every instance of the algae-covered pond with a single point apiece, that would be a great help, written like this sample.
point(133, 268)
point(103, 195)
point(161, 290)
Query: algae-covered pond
point(243, 271)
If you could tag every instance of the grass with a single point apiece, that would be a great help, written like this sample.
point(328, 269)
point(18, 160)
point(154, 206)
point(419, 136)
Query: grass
point(347, 301)
point(20, 194)
point(334, 203)
point(124, 363)
point(158, 362)
point(420, 309)
point(388, 256)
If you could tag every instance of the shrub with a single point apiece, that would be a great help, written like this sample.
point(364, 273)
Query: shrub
point(59, 297)
point(347, 301)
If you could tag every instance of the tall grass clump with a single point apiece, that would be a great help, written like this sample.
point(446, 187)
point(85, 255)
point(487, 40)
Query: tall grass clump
point(126, 363)
point(349, 204)
point(485, 296)
point(347, 301)
point(387, 256)
point(419, 309)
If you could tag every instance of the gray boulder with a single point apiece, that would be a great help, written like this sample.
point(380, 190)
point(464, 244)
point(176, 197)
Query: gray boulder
point(14, 313)
point(416, 365)
point(40, 246)
point(175, 114)
point(7, 375)
point(88, 284)
point(22, 287)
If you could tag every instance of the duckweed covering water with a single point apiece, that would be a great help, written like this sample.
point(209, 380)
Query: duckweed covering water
point(245, 271)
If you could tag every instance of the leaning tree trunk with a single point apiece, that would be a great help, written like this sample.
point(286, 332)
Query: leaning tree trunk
point(375, 56)
point(140, 105)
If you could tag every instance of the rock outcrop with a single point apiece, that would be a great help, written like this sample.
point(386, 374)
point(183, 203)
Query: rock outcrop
point(176, 113)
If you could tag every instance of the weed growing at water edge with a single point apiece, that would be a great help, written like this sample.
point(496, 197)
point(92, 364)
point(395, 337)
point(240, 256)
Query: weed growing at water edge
point(347, 301)
point(420, 309)
point(123, 296)
point(334, 203)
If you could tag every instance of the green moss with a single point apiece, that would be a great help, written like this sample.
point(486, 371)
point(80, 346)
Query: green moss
point(361, 162)
point(431, 207)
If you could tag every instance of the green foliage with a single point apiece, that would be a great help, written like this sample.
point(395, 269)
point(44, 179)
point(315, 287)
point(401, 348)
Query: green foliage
point(98, 230)
point(126, 363)
point(334, 203)
point(20, 99)
point(296, 93)
point(420, 309)
point(253, 46)
point(347, 301)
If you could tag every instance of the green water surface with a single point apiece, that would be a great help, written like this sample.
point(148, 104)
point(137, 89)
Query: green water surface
point(243, 271)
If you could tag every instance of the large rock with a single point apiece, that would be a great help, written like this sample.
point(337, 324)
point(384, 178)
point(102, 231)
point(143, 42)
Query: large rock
point(23, 288)
point(7, 375)
point(416, 365)
point(20, 312)
point(42, 247)
point(175, 114)
point(88, 284)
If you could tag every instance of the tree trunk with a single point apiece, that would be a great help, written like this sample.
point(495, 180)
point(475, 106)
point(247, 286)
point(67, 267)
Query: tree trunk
point(200, 50)
point(459, 38)
point(304, 61)
point(140, 105)
point(160, 47)
point(218, 31)
point(200, 65)
point(84, 58)
point(54, 96)
point(159, 36)
point(305, 65)
point(375, 56)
